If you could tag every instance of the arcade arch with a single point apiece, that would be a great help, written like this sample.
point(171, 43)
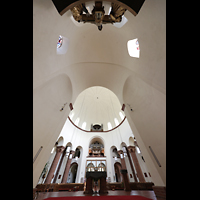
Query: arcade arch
point(117, 168)
point(72, 173)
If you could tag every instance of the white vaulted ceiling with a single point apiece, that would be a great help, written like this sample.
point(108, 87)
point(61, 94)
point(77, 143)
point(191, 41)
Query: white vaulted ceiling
point(99, 58)
point(96, 105)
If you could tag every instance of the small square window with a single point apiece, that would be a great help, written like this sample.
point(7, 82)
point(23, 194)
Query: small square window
point(133, 48)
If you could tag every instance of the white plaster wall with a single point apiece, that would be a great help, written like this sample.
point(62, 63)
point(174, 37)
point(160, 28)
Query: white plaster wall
point(80, 138)
point(57, 79)
point(50, 160)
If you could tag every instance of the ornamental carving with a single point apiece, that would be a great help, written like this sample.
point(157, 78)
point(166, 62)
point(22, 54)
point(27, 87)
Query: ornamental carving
point(98, 17)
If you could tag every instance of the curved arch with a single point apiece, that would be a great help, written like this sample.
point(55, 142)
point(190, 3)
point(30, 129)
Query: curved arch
point(72, 173)
point(113, 152)
point(102, 106)
point(123, 144)
point(98, 69)
point(74, 163)
point(119, 164)
point(60, 141)
point(98, 139)
point(113, 147)
point(118, 167)
point(102, 131)
point(69, 144)
point(131, 141)
point(100, 152)
point(79, 147)
point(78, 151)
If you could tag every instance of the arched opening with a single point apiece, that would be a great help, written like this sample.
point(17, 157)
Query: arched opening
point(72, 173)
point(117, 167)
point(131, 141)
point(96, 149)
point(122, 146)
point(96, 139)
point(101, 166)
point(116, 154)
point(60, 141)
point(90, 167)
point(77, 153)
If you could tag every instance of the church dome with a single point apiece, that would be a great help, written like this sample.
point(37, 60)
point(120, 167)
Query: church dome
point(96, 106)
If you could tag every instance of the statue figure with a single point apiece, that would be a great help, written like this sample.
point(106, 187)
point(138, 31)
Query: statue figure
point(98, 16)
point(78, 10)
point(117, 12)
point(98, 13)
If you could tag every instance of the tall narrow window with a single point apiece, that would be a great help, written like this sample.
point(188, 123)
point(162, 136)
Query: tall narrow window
point(109, 126)
point(138, 150)
point(60, 41)
point(133, 48)
point(52, 150)
point(77, 121)
point(121, 115)
point(83, 125)
point(62, 45)
point(71, 115)
point(124, 150)
point(116, 122)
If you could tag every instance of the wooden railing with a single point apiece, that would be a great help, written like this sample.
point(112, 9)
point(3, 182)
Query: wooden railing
point(55, 187)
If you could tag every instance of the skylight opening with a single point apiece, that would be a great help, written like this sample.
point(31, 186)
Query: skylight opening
point(133, 48)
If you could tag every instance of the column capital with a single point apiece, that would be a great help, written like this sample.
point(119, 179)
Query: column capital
point(72, 152)
point(131, 148)
point(120, 152)
point(60, 149)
